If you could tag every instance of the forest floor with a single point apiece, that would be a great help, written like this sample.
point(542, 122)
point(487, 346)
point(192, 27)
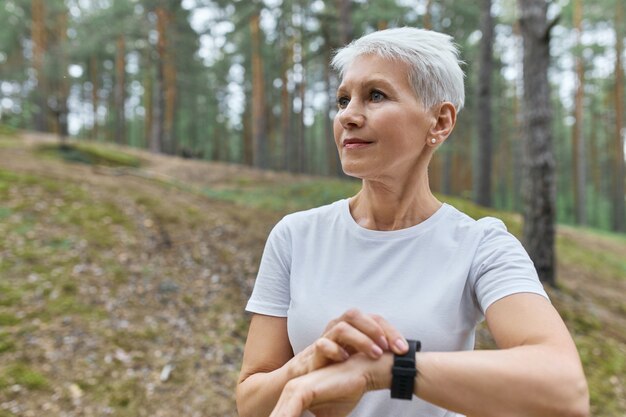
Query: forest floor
point(123, 280)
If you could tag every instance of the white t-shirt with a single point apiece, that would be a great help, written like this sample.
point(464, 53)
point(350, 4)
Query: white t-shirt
point(432, 281)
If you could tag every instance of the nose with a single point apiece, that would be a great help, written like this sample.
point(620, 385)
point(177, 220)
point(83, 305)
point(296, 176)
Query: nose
point(351, 116)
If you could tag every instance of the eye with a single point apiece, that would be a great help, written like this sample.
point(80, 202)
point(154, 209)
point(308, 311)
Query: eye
point(377, 96)
point(342, 102)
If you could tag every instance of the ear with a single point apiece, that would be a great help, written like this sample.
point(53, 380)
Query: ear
point(445, 119)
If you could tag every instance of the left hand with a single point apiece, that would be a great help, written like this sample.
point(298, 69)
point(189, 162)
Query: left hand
point(335, 390)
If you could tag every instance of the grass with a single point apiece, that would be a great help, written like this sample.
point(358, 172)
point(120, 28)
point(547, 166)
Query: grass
point(610, 263)
point(6, 130)
point(8, 319)
point(7, 343)
point(90, 154)
point(291, 197)
point(24, 375)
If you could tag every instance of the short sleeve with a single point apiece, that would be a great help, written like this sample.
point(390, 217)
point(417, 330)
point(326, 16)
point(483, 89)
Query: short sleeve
point(271, 295)
point(501, 266)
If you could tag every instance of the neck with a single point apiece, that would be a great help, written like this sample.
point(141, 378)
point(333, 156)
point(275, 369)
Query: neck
point(389, 204)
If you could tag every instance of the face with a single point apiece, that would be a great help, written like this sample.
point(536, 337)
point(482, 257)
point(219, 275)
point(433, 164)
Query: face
point(381, 127)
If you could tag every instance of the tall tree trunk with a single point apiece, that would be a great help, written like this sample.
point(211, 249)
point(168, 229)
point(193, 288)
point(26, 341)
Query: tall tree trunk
point(166, 75)
point(485, 129)
point(286, 108)
point(302, 151)
point(171, 98)
point(539, 191)
point(259, 127)
point(346, 30)
point(119, 90)
point(428, 24)
point(63, 87)
point(39, 38)
point(578, 137)
point(594, 168)
point(93, 76)
point(148, 104)
point(517, 147)
point(248, 152)
point(156, 130)
point(619, 219)
point(333, 163)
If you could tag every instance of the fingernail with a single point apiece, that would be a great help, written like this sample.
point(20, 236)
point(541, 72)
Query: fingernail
point(401, 344)
point(345, 354)
point(382, 342)
point(376, 351)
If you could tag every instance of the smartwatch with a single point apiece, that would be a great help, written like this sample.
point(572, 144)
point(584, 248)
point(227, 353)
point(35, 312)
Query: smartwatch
point(403, 372)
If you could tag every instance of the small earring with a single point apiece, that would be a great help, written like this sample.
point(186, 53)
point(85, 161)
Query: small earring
point(433, 141)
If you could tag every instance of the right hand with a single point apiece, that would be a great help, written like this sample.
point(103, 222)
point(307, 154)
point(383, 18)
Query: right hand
point(352, 332)
point(334, 390)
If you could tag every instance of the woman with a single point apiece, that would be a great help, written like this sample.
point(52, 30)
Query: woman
point(341, 287)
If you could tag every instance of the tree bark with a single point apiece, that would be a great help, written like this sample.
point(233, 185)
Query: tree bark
point(39, 38)
point(286, 100)
point(485, 129)
point(119, 90)
point(579, 180)
point(346, 29)
point(156, 130)
point(164, 92)
point(302, 151)
point(259, 126)
point(333, 163)
point(147, 99)
point(428, 24)
point(93, 76)
point(619, 218)
point(62, 92)
point(539, 191)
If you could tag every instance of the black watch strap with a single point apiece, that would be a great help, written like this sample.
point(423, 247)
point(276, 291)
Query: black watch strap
point(403, 372)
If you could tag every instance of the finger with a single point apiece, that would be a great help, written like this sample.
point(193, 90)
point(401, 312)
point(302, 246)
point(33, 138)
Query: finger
point(291, 402)
point(346, 335)
point(331, 324)
point(329, 349)
point(366, 325)
point(395, 339)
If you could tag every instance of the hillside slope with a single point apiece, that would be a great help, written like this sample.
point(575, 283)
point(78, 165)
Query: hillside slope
point(122, 284)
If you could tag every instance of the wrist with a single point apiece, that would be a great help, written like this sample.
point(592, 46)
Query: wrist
point(295, 367)
point(379, 372)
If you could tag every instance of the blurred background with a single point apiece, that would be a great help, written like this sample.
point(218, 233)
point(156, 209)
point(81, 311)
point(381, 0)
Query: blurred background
point(248, 82)
point(147, 148)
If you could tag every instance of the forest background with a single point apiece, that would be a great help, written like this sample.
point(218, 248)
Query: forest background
point(123, 277)
point(248, 82)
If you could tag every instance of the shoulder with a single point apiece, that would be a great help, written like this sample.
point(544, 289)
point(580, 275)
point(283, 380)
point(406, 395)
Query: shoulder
point(301, 220)
point(461, 227)
point(462, 222)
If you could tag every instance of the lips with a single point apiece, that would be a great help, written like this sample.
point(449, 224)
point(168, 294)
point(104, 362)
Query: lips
point(355, 143)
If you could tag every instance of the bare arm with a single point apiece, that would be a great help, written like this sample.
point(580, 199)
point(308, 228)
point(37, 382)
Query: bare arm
point(269, 362)
point(263, 374)
point(536, 371)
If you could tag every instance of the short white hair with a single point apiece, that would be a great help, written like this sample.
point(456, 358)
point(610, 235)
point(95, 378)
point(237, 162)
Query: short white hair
point(432, 57)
